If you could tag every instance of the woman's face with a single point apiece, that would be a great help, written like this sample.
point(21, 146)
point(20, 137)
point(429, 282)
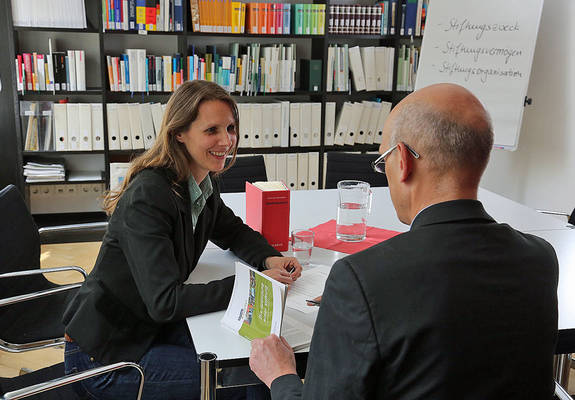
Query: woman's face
point(210, 138)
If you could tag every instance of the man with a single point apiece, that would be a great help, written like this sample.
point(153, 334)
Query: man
point(458, 307)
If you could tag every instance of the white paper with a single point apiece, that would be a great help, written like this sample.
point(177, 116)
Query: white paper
point(309, 286)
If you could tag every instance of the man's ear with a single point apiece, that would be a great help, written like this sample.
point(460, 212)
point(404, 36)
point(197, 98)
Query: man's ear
point(405, 162)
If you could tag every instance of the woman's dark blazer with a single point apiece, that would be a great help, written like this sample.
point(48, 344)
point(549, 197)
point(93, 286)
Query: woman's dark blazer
point(149, 250)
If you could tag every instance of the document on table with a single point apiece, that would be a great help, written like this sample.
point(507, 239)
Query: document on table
point(310, 285)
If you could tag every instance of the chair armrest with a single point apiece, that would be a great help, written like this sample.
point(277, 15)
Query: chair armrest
point(28, 272)
point(66, 380)
point(561, 393)
point(35, 295)
point(90, 226)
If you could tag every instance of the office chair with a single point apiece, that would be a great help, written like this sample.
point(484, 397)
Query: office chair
point(43, 383)
point(349, 166)
point(250, 169)
point(31, 307)
point(560, 393)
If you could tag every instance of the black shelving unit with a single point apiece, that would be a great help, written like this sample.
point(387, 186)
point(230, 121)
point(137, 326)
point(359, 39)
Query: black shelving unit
point(11, 148)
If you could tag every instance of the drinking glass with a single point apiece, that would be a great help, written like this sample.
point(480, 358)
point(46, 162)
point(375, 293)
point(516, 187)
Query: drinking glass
point(302, 243)
point(354, 205)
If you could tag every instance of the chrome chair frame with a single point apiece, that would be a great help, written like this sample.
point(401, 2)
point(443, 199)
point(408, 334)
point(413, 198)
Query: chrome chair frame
point(68, 379)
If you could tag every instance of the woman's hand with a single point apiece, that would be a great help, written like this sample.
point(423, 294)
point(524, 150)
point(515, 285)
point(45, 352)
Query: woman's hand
point(287, 267)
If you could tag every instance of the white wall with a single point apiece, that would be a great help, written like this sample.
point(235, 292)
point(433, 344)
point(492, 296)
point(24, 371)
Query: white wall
point(541, 172)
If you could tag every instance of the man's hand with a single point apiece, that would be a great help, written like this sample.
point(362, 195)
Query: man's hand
point(270, 358)
point(285, 264)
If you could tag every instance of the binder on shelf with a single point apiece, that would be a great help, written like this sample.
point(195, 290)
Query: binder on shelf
point(356, 67)
point(313, 171)
point(302, 171)
point(73, 115)
point(305, 123)
point(71, 70)
point(85, 128)
point(291, 171)
point(316, 124)
point(80, 63)
point(147, 124)
point(353, 127)
point(157, 116)
point(267, 124)
point(270, 162)
point(368, 58)
point(256, 126)
point(61, 126)
point(113, 127)
point(375, 109)
point(244, 111)
point(125, 133)
point(285, 121)
point(363, 126)
point(135, 126)
point(97, 126)
point(341, 131)
point(267, 211)
point(384, 112)
point(294, 124)
point(276, 125)
point(281, 168)
point(329, 129)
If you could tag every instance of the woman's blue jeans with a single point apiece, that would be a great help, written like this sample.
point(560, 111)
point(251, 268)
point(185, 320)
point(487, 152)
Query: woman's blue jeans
point(171, 371)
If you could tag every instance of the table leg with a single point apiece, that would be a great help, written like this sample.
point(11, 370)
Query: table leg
point(561, 367)
point(208, 376)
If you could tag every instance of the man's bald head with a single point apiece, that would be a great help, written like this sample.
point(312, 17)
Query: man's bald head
point(448, 126)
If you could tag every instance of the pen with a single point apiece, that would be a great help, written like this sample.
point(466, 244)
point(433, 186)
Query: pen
point(313, 302)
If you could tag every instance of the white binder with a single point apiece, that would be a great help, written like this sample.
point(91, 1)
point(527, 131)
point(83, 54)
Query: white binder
point(373, 118)
point(381, 70)
point(71, 70)
point(342, 123)
point(294, 124)
point(80, 70)
point(316, 124)
point(267, 124)
point(256, 125)
point(136, 126)
point(353, 127)
point(73, 115)
point(302, 171)
point(276, 124)
point(291, 178)
point(124, 125)
point(85, 128)
point(363, 127)
point(285, 118)
point(157, 115)
point(270, 162)
point(97, 126)
point(385, 110)
point(113, 127)
point(330, 64)
point(61, 126)
point(245, 139)
point(329, 128)
point(368, 58)
point(356, 67)
point(305, 124)
point(313, 171)
point(147, 123)
point(281, 168)
point(141, 55)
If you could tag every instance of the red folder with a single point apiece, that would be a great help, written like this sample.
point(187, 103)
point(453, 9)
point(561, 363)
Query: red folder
point(268, 213)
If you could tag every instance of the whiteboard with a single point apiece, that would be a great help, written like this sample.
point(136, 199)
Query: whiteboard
point(487, 47)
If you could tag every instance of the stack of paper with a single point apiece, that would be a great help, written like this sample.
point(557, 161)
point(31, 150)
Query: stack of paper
point(39, 172)
point(49, 13)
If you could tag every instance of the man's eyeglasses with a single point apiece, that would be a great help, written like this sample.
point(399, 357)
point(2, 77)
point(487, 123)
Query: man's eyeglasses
point(379, 164)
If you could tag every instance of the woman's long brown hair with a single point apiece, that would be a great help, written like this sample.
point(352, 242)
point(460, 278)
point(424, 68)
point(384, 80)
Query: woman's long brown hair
point(167, 152)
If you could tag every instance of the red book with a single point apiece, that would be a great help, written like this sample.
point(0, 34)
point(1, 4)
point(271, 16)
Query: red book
point(267, 211)
point(263, 18)
point(28, 68)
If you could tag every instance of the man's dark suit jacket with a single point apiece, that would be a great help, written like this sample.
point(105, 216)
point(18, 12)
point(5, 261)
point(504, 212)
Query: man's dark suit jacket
point(459, 307)
point(149, 250)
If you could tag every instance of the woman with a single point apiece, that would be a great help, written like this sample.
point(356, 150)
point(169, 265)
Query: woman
point(133, 305)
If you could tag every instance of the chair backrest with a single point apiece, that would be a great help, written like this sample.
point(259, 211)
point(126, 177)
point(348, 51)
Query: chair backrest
point(250, 169)
point(19, 242)
point(349, 166)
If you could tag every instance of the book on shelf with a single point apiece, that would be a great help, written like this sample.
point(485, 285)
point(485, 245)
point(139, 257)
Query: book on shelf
point(49, 13)
point(356, 19)
point(407, 64)
point(143, 15)
point(257, 309)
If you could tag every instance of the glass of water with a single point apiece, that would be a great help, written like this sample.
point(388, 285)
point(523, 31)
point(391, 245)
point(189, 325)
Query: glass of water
point(354, 205)
point(302, 243)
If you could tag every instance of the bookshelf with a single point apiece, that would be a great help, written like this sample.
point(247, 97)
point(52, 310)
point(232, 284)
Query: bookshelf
point(102, 43)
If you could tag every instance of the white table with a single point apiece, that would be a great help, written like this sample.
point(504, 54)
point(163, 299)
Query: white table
point(311, 208)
